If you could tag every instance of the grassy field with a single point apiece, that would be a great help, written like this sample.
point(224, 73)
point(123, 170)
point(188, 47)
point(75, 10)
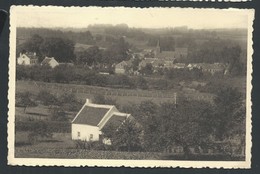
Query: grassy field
point(122, 96)
point(61, 146)
point(39, 112)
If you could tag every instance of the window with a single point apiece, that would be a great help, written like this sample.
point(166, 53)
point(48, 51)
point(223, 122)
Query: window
point(78, 134)
point(91, 137)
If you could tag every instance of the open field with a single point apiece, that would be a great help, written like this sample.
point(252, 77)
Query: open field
point(39, 112)
point(123, 96)
point(61, 146)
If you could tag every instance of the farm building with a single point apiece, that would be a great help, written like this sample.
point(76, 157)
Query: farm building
point(27, 58)
point(179, 66)
point(209, 68)
point(146, 61)
point(50, 61)
point(92, 118)
point(123, 66)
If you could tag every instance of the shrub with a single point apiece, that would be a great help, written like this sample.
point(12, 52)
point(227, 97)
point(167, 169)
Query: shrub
point(40, 130)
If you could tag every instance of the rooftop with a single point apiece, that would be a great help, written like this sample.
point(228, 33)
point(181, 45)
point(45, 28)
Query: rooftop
point(115, 120)
point(46, 60)
point(90, 115)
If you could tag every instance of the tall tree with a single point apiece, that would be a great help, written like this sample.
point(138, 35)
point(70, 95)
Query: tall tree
point(117, 52)
point(227, 102)
point(92, 55)
point(125, 137)
point(61, 49)
point(33, 44)
point(25, 99)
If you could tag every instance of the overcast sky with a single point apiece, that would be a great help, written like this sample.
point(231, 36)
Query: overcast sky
point(134, 17)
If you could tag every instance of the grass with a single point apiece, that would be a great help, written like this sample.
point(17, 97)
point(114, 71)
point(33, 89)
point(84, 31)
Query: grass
point(58, 140)
point(61, 146)
point(39, 112)
point(123, 96)
point(83, 154)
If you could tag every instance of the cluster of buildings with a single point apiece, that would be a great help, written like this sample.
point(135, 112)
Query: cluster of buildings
point(168, 59)
point(29, 58)
point(159, 60)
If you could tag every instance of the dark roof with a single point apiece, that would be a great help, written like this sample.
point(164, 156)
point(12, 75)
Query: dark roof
point(31, 55)
point(46, 60)
point(124, 63)
point(115, 120)
point(90, 115)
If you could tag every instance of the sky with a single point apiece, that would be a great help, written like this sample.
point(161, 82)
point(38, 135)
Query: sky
point(79, 17)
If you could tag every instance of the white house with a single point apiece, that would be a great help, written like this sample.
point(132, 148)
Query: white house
point(50, 61)
point(92, 118)
point(27, 59)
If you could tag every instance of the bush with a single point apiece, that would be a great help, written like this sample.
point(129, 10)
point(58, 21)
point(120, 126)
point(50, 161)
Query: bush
point(91, 145)
point(58, 114)
point(40, 130)
point(47, 98)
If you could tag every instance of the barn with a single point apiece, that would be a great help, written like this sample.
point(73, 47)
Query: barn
point(50, 61)
point(92, 118)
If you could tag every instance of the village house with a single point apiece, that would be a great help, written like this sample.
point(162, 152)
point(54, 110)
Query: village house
point(179, 66)
point(209, 68)
point(50, 61)
point(93, 118)
point(123, 67)
point(27, 58)
point(146, 61)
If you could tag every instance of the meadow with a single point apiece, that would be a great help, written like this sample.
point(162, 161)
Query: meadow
point(122, 96)
point(61, 146)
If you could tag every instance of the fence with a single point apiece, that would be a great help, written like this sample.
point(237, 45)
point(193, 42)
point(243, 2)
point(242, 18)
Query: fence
point(86, 89)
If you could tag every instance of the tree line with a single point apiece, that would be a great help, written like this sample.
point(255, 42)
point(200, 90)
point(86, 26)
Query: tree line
point(63, 50)
point(161, 80)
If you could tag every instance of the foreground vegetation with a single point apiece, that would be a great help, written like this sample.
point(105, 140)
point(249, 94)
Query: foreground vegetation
point(61, 146)
point(97, 154)
point(159, 128)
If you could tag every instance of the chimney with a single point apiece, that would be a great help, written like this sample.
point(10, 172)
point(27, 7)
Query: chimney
point(88, 101)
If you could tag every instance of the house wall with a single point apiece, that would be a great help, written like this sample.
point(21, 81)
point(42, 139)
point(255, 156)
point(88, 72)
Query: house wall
point(53, 63)
point(23, 60)
point(119, 70)
point(85, 131)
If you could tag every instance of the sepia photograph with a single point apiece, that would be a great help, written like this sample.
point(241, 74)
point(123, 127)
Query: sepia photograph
point(133, 87)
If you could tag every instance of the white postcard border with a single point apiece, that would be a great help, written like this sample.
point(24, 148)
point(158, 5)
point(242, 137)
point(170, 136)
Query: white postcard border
point(126, 163)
